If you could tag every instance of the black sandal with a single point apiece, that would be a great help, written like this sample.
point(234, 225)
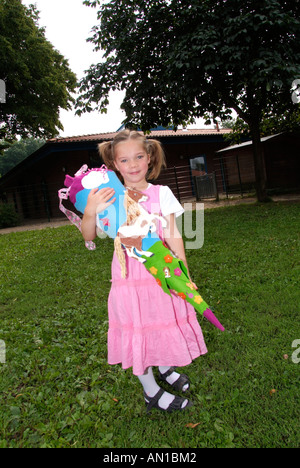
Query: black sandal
point(175, 405)
point(179, 383)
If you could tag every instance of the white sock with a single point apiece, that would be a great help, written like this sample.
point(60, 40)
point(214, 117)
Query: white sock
point(151, 388)
point(172, 377)
point(149, 383)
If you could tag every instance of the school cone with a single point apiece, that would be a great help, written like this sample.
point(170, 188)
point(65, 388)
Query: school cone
point(172, 276)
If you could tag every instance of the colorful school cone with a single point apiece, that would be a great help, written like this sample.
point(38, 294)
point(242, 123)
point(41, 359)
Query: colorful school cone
point(172, 276)
point(144, 245)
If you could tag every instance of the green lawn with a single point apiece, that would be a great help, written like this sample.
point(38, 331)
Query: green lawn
point(56, 388)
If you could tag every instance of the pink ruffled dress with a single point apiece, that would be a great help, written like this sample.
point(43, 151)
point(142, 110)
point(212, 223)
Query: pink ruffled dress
point(147, 327)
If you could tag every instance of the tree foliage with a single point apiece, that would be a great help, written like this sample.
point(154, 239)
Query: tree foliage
point(179, 59)
point(38, 79)
point(17, 152)
point(286, 122)
point(182, 59)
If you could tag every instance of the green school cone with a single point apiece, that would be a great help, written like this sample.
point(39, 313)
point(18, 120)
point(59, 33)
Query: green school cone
point(172, 276)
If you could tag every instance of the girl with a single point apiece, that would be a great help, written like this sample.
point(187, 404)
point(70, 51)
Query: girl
point(147, 327)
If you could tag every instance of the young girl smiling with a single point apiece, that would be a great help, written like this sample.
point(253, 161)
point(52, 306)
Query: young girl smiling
point(147, 327)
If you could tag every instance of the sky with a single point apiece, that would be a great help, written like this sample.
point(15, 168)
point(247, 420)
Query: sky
point(68, 24)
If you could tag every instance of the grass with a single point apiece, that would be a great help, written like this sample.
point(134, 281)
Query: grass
point(56, 388)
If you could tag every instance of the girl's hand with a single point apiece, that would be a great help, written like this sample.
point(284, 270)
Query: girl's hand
point(192, 282)
point(99, 200)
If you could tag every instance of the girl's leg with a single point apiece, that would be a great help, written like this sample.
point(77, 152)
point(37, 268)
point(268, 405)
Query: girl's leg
point(151, 389)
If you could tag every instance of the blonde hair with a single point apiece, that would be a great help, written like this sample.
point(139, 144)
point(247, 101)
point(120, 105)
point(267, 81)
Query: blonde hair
point(152, 147)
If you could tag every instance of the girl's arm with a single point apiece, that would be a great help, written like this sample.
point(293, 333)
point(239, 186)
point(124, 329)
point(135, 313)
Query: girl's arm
point(88, 227)
point(174, 241)
point(98, 200)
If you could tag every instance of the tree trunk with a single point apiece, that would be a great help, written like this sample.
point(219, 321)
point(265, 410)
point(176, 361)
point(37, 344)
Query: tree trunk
point(259, 166)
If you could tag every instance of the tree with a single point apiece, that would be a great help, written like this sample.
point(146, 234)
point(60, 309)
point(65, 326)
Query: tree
point(37, 77)
point(17, 152)
point(178, 60)
point(286, 122)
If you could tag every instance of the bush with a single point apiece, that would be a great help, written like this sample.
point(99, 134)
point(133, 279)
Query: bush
point(8, 216)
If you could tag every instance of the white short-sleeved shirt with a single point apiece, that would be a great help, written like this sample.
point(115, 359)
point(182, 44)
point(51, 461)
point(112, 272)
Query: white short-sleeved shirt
point(168, 202)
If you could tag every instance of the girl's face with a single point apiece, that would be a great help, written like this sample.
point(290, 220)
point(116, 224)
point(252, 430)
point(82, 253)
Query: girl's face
point(132, 161)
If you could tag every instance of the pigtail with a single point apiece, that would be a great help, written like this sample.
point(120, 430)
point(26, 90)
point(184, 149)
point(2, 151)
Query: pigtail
point(106, 152)
point(157, 158)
